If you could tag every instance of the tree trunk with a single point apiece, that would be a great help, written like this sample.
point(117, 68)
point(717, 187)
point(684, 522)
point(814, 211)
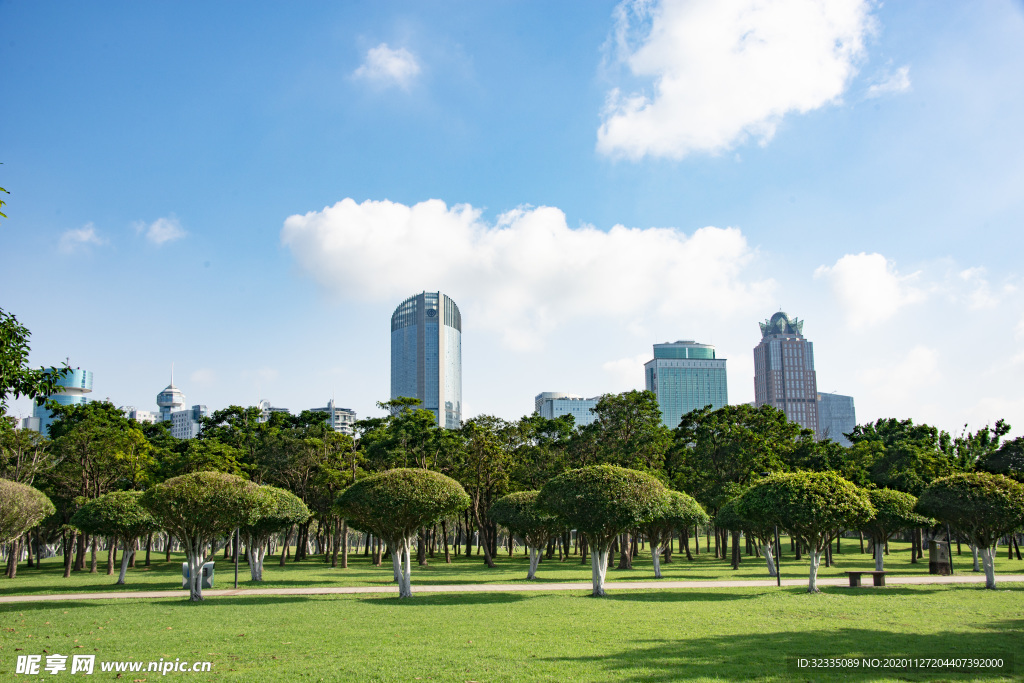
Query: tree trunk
point(167, 550)
point(128, 552)
point(484, 540)
point(285, 544)
point(149, 546)
point(111, 557)
point(735, 550)
point(656, 559)
point(534, 561)
point(879, 555)
point(766, 552)
point(988, 561)
point(684, 542)
point(421, 547)
point(599, 568)
point(444, 533)
point(94, 548)
point(974, 552)
point(80, 553)
point(861, 534)
point(342, 540)
point(812, 585)
point(69, 540)
point(195, 557)
point(625, 552)
point(584, 548)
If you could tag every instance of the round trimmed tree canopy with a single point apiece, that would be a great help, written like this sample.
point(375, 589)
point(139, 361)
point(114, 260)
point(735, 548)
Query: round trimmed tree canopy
point(118, 513)
point(395, 503)
point(604, 500)
point(21, 508)
point(984, 505)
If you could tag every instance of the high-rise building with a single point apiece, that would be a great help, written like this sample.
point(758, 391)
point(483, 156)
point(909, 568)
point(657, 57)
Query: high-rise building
point(74, 387)
point(685, 376)
point(266, 410)
point(836, 417)
point(426, 355)
point(339, 419)
point(185, 422)
point(170, 400)
point(784, 374)
point(552, 404)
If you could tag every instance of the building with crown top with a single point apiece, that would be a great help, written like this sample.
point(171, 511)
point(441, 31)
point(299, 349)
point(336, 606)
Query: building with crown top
point(784, 375)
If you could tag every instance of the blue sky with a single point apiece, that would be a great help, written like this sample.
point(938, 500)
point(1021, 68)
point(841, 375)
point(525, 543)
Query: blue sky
point(859, 165)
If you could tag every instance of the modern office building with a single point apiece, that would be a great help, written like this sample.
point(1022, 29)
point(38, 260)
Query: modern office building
point(75, 385)
point(685, 375)
point(784, 374)
point(426, 355)
point(339, 419)
point(552, 404)
point(170, 400)
point(836, 417)
point(140, 415)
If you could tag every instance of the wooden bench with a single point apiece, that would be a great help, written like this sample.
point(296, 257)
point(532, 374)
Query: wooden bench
point(878, 578)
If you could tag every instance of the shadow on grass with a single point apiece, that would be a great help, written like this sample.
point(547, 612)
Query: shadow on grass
point(728, 658)
point(444, 599)
point(677, 595)
point(15, 607)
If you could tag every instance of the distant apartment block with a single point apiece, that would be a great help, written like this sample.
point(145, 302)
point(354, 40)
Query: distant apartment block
point(836, 417)
point(552, 404)
point(266, 410)
point(685, 376)
point(784, 375)
point(339, 419)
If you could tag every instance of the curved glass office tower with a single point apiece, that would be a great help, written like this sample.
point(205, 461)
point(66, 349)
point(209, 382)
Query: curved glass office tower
point(426, 355)
point(75, 385)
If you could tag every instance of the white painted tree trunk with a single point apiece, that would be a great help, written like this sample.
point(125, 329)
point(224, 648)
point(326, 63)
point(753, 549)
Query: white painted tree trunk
point(534, 561)
point(988, 560)
point(599, 569)
point(769, 558)
point(125, 556)
point(812, 585)
point(407, 578)
point(879, 557)
point(195, 558)
point(974, 552)
point(255, 554)
point(656, 557)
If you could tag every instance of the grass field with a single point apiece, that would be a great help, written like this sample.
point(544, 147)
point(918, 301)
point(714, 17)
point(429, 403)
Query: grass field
point(314, 572)
point(723, 634)
point(657, 635)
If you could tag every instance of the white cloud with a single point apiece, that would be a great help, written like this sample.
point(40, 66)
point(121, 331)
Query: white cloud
point(78, 239)
point(891, 82)
point(869, 288)
point(905, 378)
point(205, 376)
point(528, 273)
point(626, 373)
point(385, 66)
point(162, 230)
point(980, 294)
point(725, 71)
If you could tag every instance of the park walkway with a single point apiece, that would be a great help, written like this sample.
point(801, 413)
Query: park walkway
point(512, 587)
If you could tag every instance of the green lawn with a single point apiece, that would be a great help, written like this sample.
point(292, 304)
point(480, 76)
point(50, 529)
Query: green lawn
point(718, 634)
point(463, 570)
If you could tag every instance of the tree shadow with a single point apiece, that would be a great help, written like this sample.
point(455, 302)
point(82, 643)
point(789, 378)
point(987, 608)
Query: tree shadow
point(445, 599)
point(678, 595)
point(728, 657)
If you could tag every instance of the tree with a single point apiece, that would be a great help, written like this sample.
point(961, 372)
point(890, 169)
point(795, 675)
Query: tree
point(21, 508)
point(729, 517)
point(24, 453)
point(518, 512)
point(393, 505)
point(486, 463)
point(894, 511)
point(16, 378)
point(1008, 460)
point(601, 502)
point(980, 506)
point(120, 516)
point(281, 510)
point(681, 511)
point(197, 508)
point(813, 506)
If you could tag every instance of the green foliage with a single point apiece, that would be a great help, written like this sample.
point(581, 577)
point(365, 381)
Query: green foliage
point(21, 508)
point(979, 505)
point(812, 506)
point(1008, 460)
point(16, 378)
point(894, 511)
point(118, 514)
point(200, 506)
point(681, 511)
point(519, 513)
point(629, 431)
point(279, 510)
point(393, 505)
point(716, 453)
point(603, 500)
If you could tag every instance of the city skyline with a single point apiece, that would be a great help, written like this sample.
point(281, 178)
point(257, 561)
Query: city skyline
point(248, 195)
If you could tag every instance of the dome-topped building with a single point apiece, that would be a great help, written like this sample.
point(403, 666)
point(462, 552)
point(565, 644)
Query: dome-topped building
point(170, 400)
point(784, 374)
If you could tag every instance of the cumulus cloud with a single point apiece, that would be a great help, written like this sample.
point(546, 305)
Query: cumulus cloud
point(891, 82)
point(384, 66)
point(527, 273)
point(915, 371)
point(869, 288)
point(720, 72)
point(162, 230)
point(980, 293)
point(79, 239)
point(626, 373)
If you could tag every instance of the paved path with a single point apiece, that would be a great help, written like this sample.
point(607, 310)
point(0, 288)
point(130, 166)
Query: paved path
point(508, 587)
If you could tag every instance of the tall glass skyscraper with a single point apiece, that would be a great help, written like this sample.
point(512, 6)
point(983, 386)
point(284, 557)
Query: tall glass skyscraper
point(784, 374)
point(74, 387)
point(426, 355)
point(685, 375)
